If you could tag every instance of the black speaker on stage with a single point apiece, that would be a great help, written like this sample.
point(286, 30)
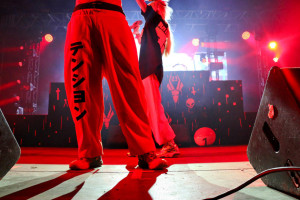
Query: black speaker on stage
point(9, 148)
point(275, 138)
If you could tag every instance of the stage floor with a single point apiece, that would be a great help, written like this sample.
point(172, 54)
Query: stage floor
point(199, 173)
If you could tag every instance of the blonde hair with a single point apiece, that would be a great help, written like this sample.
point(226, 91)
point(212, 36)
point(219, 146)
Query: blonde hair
point(163, 9)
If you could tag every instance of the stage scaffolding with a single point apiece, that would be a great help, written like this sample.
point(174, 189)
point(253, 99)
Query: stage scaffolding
point(191, 20)
point(19, 68)
point(32, 78)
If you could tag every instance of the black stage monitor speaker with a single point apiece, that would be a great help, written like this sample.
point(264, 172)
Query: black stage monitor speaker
point(275, 138)
point(9, 148)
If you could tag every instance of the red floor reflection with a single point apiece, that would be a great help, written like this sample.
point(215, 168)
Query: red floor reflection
point(36, 155)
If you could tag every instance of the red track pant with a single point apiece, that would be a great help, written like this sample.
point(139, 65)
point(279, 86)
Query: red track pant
point(100, 44)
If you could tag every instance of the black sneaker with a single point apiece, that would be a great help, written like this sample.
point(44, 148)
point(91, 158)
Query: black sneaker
point(169, 150)
point(86, 163)
point(151, 161)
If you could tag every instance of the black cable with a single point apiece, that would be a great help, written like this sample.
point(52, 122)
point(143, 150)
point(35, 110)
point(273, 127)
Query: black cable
point(263, 173)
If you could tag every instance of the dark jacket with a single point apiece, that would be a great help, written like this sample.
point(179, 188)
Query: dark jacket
point(152, 44)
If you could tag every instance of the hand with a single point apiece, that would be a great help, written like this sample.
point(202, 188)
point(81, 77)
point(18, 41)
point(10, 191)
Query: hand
point(136, 24)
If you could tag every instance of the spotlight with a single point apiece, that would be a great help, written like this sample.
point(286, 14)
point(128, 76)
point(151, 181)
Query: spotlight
point(10, 85)
point(48, 37)
point(20, 64)
point(273, 45)
point(246, 35)
point(196, 42)
point(275, 59)
point(9, 100)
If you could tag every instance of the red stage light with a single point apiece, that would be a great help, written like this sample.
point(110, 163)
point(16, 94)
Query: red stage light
point(273, 45)
point(20, 64)
point(48, 38)
point(21, 47)
point(9, 85)
point(246, 35)
point(9, 101)
point(196, 42)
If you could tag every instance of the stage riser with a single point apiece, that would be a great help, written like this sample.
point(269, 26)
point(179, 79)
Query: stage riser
point(217, 105)
point(29, 132)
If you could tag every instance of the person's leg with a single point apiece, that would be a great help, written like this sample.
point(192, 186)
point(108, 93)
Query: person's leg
point(162, 131)
point(124, 80)
point(159, 123)
point(83, 82)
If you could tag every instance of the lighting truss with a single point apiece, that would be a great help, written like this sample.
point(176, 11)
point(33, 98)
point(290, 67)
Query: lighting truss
point(187, 19)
